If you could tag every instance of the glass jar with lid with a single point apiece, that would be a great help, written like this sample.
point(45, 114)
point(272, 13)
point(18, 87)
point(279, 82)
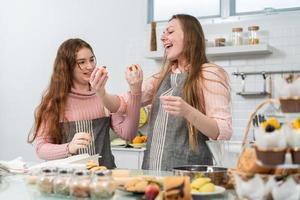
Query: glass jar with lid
point(32, 179)
point(220, 42)
point(61, 182)
point(45, 181)
point(237, 36)
point(253, 35)
point(79, 184)
point(103, 185)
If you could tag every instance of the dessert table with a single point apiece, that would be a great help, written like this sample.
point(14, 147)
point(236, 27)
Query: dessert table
point(14, 187)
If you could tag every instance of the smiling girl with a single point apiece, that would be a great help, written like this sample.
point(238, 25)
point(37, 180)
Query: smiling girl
point(71, 118)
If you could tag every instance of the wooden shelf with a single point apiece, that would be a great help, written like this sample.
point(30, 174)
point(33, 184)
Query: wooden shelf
point(212, 52)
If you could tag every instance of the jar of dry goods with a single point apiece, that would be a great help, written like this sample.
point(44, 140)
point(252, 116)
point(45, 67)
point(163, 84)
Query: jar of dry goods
point(79, 184)
point(253, 35)
point(45, 181)
point(237, 36)
point(220, 42)
point(61, 182)
point(102, 186)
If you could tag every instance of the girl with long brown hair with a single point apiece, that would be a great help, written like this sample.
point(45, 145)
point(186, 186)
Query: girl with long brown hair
point(190, 100)
point(72, 119)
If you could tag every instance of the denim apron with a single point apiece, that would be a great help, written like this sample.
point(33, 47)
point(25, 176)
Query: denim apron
point(99, 130)
point(168, 143)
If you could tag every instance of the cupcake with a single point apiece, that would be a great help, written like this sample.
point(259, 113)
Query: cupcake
point(294, 140)
point(289, 93)
point(253, 188)
point(270, 142)
point(287, 189)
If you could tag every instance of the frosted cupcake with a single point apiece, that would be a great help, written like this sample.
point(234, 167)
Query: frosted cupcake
point(270, 142)
point(294, 140)
point(289, 93)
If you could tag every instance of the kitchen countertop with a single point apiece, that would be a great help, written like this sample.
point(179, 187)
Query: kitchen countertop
point(14, 188)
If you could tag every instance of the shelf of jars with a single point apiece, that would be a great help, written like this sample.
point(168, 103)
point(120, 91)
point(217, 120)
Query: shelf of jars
point(213, 52)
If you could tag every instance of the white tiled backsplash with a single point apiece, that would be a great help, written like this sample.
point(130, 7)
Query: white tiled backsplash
point(281, 32)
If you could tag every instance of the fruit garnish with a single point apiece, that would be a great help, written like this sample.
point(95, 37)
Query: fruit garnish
point(139, 139)
point(296, 123)
point(151, 191)
point(264, 124)
point(274, 122)
point(199, 182)
point(202, 185)
point(269, 128)
point(270, 125)
point(208, 187)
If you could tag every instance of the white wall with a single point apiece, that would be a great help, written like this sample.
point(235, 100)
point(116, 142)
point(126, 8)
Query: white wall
point(30, 34)
point(32, 30)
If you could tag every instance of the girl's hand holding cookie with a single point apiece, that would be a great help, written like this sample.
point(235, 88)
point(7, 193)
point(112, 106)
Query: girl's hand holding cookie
point(98, 80)
point(134, 77)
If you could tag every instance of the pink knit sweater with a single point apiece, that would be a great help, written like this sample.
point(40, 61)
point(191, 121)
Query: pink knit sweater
point(87, 106)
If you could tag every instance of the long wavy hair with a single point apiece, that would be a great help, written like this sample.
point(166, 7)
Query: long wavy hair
point(50, 111)
point(195, 54)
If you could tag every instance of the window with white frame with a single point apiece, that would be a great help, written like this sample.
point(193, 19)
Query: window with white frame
point(256, 6)
point(162, 10)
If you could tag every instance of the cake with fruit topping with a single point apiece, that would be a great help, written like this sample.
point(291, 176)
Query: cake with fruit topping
point(270, 142)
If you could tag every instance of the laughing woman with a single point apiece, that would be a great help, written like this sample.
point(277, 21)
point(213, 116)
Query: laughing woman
point(71, 118)
point(190, 100)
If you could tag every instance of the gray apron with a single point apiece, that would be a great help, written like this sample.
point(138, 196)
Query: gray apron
point(99, 130)
point(168, 143)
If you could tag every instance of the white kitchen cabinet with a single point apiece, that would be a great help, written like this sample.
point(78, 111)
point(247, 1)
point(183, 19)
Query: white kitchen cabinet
point(128, 158)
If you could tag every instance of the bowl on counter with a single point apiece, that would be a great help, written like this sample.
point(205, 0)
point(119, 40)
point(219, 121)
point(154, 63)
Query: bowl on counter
point(218, 175)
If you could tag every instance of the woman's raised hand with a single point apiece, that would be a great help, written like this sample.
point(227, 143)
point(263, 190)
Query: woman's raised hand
point(98, 80)
point(80, 140)
point(134, 77)
point(175, 105)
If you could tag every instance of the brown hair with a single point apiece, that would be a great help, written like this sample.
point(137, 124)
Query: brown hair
point(52, 107)
point(195, 55)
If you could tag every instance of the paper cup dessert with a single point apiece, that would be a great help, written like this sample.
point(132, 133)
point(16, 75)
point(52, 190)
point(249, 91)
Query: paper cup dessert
point(290, 104)
point(294, 140)
point(270, 143)
point(275, 156)
point(295, 152)
point(289, 93)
